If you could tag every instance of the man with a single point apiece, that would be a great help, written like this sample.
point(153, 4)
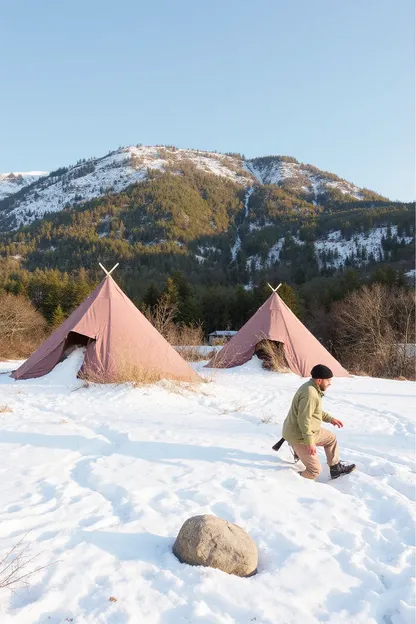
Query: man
point(302, 427)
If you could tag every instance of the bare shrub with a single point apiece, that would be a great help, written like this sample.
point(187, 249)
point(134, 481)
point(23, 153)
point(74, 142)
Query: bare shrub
point(190, 335)
point(272, 355)
point(162, 316)
point(4, 409)
point(16, 567)
point(22, 327)
point(373, 328)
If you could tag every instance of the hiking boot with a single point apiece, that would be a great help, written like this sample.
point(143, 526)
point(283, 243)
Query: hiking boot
point(340, 469)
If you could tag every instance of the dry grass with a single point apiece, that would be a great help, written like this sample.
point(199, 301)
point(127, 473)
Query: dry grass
point(272, 355)
point(123, 368)
point(193, 354)
point(219, 341)
point(4, 409)
point(267, 419)
point(217, 361)
point(123, 373)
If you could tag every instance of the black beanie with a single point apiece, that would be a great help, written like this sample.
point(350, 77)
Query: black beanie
point(320, 371)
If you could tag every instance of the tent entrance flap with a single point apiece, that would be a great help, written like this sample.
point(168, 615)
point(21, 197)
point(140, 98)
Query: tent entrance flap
point(73, 341)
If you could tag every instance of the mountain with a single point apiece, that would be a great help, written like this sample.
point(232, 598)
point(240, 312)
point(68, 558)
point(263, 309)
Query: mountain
point(13, 182)
point(220, 219)
point(27, 197)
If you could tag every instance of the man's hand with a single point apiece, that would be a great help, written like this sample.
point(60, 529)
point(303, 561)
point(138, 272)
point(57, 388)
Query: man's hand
point(310, 449)
point(337, 423)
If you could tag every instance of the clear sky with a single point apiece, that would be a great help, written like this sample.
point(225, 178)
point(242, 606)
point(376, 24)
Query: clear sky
point(330, 82)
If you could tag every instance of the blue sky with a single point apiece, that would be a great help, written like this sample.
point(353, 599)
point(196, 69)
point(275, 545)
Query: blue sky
point(329, 82)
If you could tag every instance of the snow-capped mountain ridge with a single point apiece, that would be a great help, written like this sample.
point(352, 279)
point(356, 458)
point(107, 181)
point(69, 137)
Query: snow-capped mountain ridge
point(14, 181)
point(293, 175)
point(93, 178)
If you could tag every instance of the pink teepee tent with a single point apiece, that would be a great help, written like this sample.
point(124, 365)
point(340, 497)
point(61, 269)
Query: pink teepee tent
point(275, 321)
point(117, 338)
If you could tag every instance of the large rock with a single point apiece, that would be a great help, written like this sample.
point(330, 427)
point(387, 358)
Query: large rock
point(210, 541)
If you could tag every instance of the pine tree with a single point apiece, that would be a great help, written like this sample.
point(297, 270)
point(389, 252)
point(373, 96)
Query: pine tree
point(58, 317)
point(152, 296)
point(291, 299)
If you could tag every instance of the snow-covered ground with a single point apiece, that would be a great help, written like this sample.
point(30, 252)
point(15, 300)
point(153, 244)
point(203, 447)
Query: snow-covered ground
point(100, 480)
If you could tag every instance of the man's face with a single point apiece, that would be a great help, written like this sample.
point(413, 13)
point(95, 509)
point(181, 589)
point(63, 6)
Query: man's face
point(323, 383)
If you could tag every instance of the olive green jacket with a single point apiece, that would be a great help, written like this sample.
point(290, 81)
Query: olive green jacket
point(305, 416)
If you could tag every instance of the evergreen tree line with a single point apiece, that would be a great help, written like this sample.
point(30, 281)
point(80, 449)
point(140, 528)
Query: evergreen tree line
point(190, 223)
point(56, 294)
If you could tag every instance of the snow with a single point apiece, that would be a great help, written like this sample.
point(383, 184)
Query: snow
point(13, 181)
point(246, 201)
point(370, 241)
point(115, 172)
point(237, 244)
point(277, 171)
point(99, 479)
point(343, 248)
point(207, 249)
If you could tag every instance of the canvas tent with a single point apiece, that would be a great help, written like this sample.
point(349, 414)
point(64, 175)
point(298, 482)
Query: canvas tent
point(275, 321)
point(117, 337)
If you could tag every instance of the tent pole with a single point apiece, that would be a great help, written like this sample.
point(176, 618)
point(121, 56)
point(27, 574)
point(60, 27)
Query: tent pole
point(103, 268)
point(274, 289)
point(114, 267)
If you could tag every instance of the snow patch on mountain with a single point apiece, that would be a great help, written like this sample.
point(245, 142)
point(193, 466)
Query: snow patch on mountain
point(334, 250)
point(14, 181)
point(277, 170)
point(358, 247)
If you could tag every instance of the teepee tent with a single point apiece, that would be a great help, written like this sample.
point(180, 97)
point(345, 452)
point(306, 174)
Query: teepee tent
point(275, 321)
point(120, 342)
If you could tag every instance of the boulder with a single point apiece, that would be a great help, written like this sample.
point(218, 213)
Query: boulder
point(210, 541)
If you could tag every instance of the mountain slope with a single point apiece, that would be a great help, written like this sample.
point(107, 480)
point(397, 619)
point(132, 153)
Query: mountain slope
point(220, 219)
point(89, 179)
point(307, 181)
point(110, 174)
point(13, 182)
